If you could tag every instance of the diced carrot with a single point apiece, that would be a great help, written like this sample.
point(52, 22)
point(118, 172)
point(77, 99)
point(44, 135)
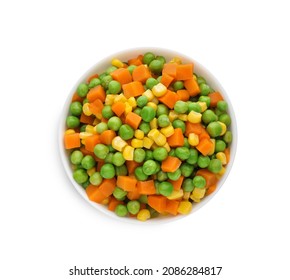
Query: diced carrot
point(118, 108)
point(146, 187)
point(86, 152)
point(76, 97)
point(87, 119)
point(133, 195)
point(92, 77)
point(97, 92)
point(122, 75)
point(170, 164)
point(176, 139)
point(192, 86)
point(184, 71)
point(94, 194)
point(183, 94)
point(203, 134)
point(178, 183)
point(99, 165)
point(205, 146)
point(133, 89)
point(96, 108)
point(114, 203)
point(169, 99)
point(107, 186)
point(192, 128)
point(91, 142)
point(72, 141)
point(215, 97)
point(107, 137)
point(157, 202)
point(127, 183)
point(209, 177)
point(133, 120)
point(136, 61)
point(141, 73)
point(171, 206)
point(170, 69)
point(131, 166)
point(211, 189)
point(227, 153)
point(166, 79)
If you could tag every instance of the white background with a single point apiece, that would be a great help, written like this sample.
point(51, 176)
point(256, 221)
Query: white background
point(47, 228)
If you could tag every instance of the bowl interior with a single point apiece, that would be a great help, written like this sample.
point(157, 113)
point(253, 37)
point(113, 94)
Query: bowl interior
point(124, 56)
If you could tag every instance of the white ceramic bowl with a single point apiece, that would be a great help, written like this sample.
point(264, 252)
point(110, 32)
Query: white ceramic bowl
point(99, 67)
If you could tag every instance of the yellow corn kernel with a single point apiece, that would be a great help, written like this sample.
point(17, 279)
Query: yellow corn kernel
point(147, 142)
point(167, 147)
point(153, 123)
point(91, 171)
point(184, 207)
point(221, 173)
point(128, 153)
point(128, 108)
point(153, 133)
point(148, 93)
point(202, 105)
point(110, 99)
point(155, 100)
point(186, 195)
point(143, 215)
point(175, 194)
point(197, 194)
point(86, 109)
point(176, 60)
point(167, 131)
point(211, 152)
point(105, 201)
point(139, 134)
point(120, 98)
point(224, 128)
point(69, 131)
point(132, 102)
point(83, 141)
point(119, 144)
point(193, 139)
point(96, 121)
point(194, 77)
point(183, 117)
point(117, 62)
point(137, 143)
point(222, 157)
point(172, 116)
point(84, 135)
point(160, 140)
point(159, 90)
point(91, 129)
point(152, 105)
point(194, 117)
point(154, 146)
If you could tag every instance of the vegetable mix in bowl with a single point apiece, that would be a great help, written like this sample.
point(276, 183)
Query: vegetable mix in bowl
point(148, 137)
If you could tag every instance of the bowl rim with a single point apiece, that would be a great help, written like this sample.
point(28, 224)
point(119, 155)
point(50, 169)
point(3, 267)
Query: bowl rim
point(127, 54)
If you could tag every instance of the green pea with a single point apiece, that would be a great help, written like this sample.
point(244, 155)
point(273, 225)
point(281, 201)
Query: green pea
point(178, 85)
point(86, 184)
point(80, 176)
point(153, 212)
point(179, 124)
point(131, 68)
point(133, 206)
point(114, 123)
point(199, 182)
point(222, 105)
point(215, 166)
point(172, 153)
point(225, 118)
point(149, 167)
point(121, 170)
point(163, 121)
point(139, 174)
point(139, 155)
point(88, 162)
point(205, 99)
point(182, 153)
point(194, 106)
point(76, 108)
point(159, 79)
point(174, 175)
point(107, 112)
point(149, 155)
point(200, 80)
point(111, 149)
point(76, 157)
point(119, 193)
point(143, 199)
point(114, 87)
point(72, 122)
point(161, 58)
point(204, 89)
point(121, 210)
point(180, 107)
point(126, 132)
point(101, 151)
point(94, 82)
point(162, 110)
point(156, 185)
point(83, 128)
point(158, 167)
point(111, 69)
point(142, 101)
point(214, 129)
point(186, 143)
point(186, 169)
point(165, 188)
point(109, 158)
point(106, 81)
point(148, 114)
point(228, 137)
point(209, 116)
point(220, 146)
point(148, 58)
point(82, 90)
point(96, 179)
point(101, 127)
point(162, 176)
point(160, 153)
point(137, 111)
point(193, 156)
point(156, 66)
point(151, 82)
point(108, 171)
point(118, 159)
point(102, 75)
point(187, 185)
point(203, 161)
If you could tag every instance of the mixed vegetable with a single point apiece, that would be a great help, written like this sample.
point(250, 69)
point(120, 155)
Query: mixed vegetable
point(148, 137)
